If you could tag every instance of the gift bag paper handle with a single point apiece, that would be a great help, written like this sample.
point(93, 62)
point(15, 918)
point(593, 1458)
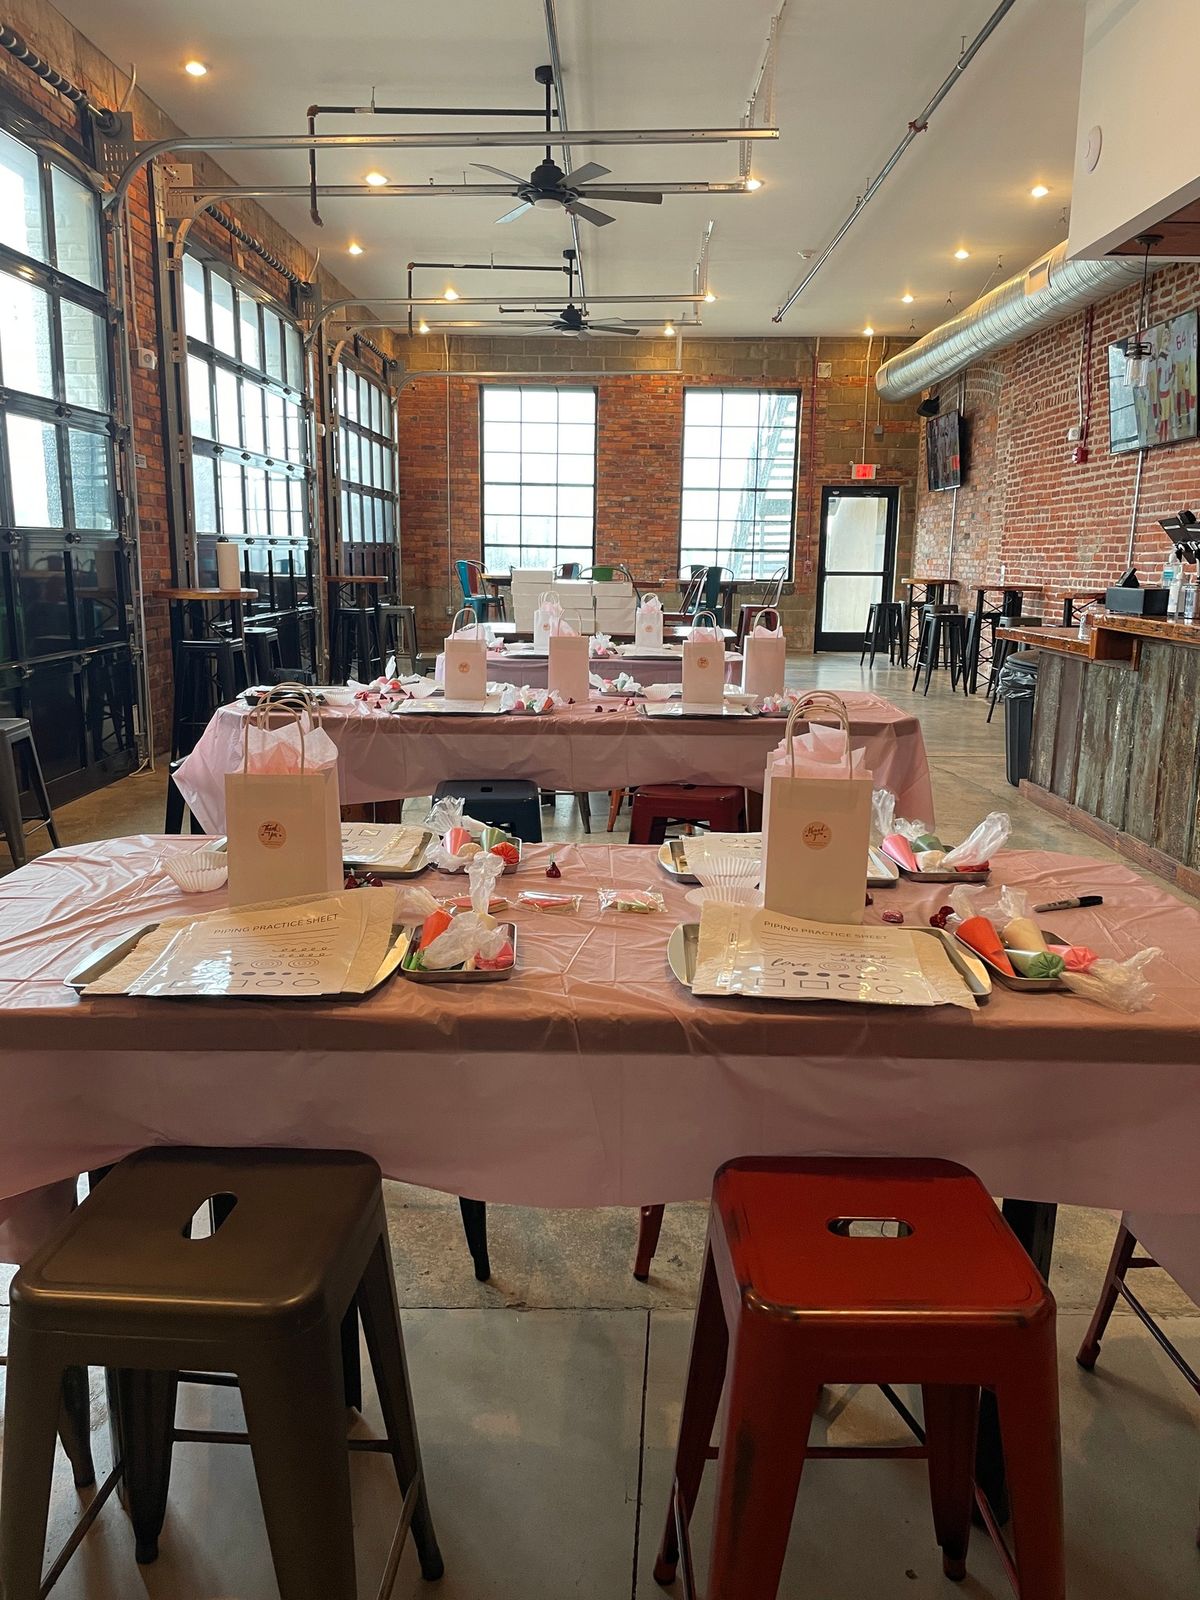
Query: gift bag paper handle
point(472, 626)
point(260, 720)
point(770, 611)
point(818, 700)
point(710, 614)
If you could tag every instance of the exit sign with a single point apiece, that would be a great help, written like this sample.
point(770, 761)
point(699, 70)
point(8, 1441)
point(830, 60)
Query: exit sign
point(863, 469)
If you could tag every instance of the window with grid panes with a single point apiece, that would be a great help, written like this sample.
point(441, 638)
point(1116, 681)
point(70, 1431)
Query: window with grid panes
point(538, 476)
point(739, 480)
point(64, 583)
point(245, 385)
point(366, 472)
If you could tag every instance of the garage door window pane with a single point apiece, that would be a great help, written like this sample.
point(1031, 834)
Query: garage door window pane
point(33, 465)
point(85, 357)
point(26, 358)
point(91, 479)
point(76, 228)
point(21, 224)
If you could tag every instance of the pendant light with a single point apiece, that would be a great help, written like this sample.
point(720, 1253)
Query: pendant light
point(1139, 352)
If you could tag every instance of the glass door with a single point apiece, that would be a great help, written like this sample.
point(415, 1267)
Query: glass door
point(857, 560)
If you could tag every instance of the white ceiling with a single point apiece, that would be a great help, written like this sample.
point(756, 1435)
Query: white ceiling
point(851, 73)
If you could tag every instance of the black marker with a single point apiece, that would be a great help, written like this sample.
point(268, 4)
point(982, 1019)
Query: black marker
point(1073, 904)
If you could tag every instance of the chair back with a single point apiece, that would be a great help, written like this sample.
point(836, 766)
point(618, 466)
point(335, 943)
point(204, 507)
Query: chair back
point(694, 592)
point(470, 576)
point(770, 599)
point(569, 569)
point(713, 577)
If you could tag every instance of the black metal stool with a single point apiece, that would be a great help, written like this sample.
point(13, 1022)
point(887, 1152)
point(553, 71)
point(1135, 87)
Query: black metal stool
point(299, 1240)
point(509, 803)
point(942, 629)
point(209, 673)
point(885, 630)
point(263, 650)
point(16, 736)
point(397, 627)
point(178, 816)
point(354, 642)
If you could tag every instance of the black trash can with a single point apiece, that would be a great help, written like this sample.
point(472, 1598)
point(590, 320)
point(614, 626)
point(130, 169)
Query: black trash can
point(1018, 682)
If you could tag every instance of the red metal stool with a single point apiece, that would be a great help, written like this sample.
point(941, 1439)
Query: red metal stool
point(657, 804)
point(861, 1271)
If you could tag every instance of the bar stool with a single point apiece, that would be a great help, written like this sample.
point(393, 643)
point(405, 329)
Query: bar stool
point(867, 1272)
point(301, 1237)
point(885, 630)
point(264, 651)
point(16, 744)
point(209, 673)
point(352, 631)
point(397, 627)
point(510, 803)
point(657, 804)
point(942, 629)
point(177, 808)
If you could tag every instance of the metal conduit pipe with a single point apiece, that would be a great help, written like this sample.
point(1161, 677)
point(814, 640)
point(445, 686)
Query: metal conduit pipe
point(475, 266)
point(919, 124)
point(10, 40)
point(563, 125)
point(1047, 292)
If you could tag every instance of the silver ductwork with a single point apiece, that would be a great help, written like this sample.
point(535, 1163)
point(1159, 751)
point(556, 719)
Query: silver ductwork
point(1047, 292)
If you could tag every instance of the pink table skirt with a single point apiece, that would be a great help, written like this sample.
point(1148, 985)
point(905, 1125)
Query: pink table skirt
point(603, 745)
point(592, 1077)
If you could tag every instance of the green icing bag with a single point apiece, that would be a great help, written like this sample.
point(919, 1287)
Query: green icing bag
point(1036, 963)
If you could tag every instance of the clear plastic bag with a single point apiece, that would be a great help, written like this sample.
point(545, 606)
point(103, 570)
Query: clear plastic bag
point(1118, 985)
point(447, 813)
point(413, 904)
point(475, 933)
point(981, 844)
point(547, 900)
point(636, 900)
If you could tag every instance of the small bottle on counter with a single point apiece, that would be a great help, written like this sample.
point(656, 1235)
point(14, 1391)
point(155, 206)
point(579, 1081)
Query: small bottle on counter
point(1175, 598)
point(1188, 601)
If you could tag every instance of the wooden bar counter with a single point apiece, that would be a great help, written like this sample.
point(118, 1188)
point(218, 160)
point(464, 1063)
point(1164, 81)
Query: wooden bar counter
point(1115, 734)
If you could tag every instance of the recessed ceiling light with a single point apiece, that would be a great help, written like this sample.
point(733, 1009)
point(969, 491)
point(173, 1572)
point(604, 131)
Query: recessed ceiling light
point(354, 249)
point(960, 254)
point(668, 330)
point(1039, 191)
point(449, 294)
point(195, 69)
point(906, 299)
point(709, 297)
point(375, 179)
point(753, 183)
point(422, 326)
point(868, 332)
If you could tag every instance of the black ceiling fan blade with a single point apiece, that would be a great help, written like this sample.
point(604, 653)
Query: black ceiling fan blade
point(584, 174)
point(599, 219)
point(615, 327)
point(637, 196)
point(517, 211)
point(482, 166)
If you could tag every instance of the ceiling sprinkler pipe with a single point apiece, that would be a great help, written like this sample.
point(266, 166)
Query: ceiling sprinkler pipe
point(475, 266)
point(492, 139)
point(919, 124)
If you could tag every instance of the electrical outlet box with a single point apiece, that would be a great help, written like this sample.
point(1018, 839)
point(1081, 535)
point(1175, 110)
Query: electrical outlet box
point(147, 359)
point(824, 369)
point(1074, 434)
point(1079, 455)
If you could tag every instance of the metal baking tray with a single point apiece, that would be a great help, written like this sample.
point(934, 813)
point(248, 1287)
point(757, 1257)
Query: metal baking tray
point(416, 862)
point(107, 956)
point(938, 877)
point(509, 866)
point(684, 943)
point(456, 974)
point(1025, 985)
point(882, 871)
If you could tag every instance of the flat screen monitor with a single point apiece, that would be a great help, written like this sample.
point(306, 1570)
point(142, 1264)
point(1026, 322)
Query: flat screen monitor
point(943, 450)
point(1164, 411)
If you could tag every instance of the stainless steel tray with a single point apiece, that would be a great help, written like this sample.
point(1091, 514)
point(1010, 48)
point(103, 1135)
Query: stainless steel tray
point(106, 956)
point(410, 871)
point(456, 975)
point(939, 877)
point(684, 942)
point(1025, 985)
point(882, 871)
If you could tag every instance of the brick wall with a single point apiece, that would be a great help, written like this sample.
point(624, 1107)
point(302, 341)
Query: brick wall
point(639, 447)
point(1024, 503)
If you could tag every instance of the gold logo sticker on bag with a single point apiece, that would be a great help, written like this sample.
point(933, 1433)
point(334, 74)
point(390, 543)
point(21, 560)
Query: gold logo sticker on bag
point(817, 835)
point(272, 835)
point(464, 666)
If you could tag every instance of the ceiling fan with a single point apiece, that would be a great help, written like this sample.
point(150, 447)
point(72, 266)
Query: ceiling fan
point(574, 323)
point(548, 185)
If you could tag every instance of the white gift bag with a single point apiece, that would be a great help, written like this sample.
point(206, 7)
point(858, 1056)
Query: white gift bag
point(704, 663)
point(764, 657)
point(568, 670)
point(282, 810)
point(546, 618)
point(465, 669)
point(816, 819)
point(648, 623)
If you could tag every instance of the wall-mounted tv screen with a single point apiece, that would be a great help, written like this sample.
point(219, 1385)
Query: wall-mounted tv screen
point(943, 450)
point(1165, 410)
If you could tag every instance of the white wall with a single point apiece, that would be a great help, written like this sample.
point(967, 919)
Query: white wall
point(1141, 60)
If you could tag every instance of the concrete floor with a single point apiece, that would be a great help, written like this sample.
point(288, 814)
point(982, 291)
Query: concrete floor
point(548, 1398)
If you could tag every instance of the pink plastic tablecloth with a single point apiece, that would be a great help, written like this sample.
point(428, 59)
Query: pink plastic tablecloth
point(602, 745)
point(592, 1077)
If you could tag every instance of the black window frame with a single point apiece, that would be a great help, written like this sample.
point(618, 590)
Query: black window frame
point(764, 564)
point(382, 497)
point(556, 388)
